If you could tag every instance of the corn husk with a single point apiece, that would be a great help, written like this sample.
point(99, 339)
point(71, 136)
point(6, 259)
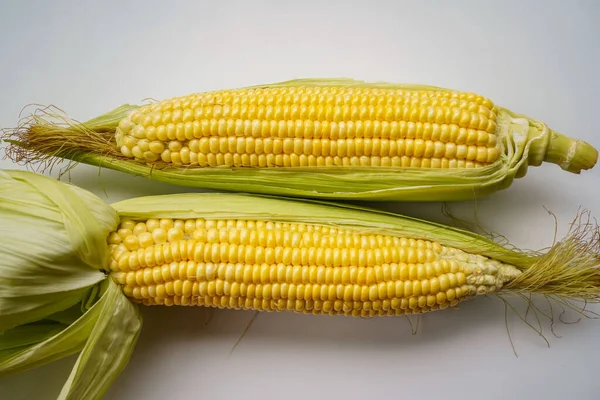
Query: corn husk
point(55, 299)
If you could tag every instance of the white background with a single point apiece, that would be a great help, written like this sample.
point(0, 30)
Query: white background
point(540, 58)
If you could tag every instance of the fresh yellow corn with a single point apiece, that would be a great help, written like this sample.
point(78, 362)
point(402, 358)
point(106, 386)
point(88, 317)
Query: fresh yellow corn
point(335, 138)
point(271, 266)
point(75, 285)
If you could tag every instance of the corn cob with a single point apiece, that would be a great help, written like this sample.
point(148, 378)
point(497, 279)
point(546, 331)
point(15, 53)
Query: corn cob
point(309, 127)
point(336, 138)
point(307, 268)
point(94, 263)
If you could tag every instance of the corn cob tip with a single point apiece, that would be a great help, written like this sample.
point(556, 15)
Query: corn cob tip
point(570, 154)
point(581, 156)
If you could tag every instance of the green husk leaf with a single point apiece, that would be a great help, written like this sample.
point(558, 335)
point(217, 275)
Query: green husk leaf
point(54, 246)
point(55, 299)
point(51, 344)
point(49, 135)
point(70, 315)
point(28, 334)
point(346, 82)
point(51, 262)
point(105, 335)
point(247, 206)
point(109, 347)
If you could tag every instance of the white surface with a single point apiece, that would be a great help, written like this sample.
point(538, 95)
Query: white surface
point(539, 58)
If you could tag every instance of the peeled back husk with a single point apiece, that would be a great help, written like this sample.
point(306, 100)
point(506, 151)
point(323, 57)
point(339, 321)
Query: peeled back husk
point(55, 299)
